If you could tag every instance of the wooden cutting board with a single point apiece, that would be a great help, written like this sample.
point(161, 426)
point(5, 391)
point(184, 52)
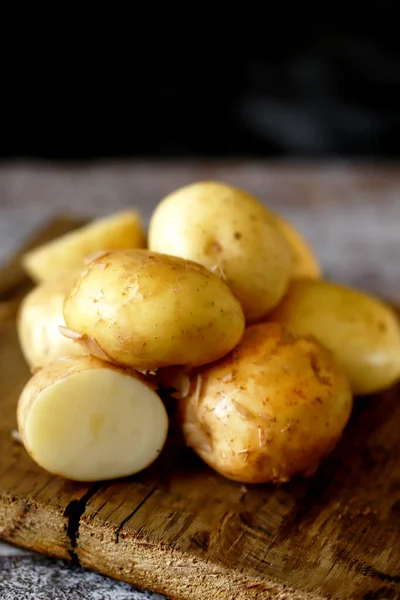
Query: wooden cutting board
point(180, 529)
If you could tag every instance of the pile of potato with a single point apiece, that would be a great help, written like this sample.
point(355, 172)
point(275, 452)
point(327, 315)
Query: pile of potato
point(223, 304)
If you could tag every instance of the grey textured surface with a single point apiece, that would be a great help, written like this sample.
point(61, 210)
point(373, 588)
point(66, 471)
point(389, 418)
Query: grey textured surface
point(336, 207)
point(34, 577)
point(28, 576)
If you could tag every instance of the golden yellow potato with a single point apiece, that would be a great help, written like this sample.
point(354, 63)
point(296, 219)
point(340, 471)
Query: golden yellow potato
point(149, 310)
point(273, 408)
point(38, 320)
point(117, 231)
point(88, 420)
point(305, 264)
point(231, 233)
point(362, 332)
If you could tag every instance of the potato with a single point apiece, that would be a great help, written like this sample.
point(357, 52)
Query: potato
point(148, 310)
point(362, 332)
point(229, 232)
point(88, 420)
point(118, 231)
point(305, 264)
point(39, 317)
point(273, 408)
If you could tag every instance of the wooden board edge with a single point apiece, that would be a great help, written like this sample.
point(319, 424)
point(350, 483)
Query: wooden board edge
point(165, 570)
point(22, 524)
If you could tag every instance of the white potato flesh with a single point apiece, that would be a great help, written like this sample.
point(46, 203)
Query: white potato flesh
point(91, 423)
point(114, 232)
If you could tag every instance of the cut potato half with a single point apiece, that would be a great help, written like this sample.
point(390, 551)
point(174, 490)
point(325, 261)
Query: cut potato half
point(87, 420)
point(114, 232)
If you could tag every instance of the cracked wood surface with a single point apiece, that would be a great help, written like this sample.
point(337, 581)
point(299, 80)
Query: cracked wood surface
point(180, 529)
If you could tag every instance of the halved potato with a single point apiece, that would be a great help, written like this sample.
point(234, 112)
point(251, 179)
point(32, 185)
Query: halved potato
point(88, 420)
point(50, 260)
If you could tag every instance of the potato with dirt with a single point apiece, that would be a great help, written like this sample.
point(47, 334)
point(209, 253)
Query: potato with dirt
point(362, 332)
point(273, 408)
point(148, 310)
point(231, 233)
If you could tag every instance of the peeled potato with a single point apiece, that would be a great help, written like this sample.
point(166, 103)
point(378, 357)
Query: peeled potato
point(305, 264)
point(148, 310)
point(88, 420)
point(121, 230)
point(362, 332)
point(39, 317)
point(231, 233)
point(273, 408)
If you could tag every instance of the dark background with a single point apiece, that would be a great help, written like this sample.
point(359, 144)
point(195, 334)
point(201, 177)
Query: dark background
point(293, 87)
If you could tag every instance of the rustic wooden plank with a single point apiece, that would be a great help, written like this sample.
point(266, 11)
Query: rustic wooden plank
point(336, 535)
point(180, 529)
point(38, 511)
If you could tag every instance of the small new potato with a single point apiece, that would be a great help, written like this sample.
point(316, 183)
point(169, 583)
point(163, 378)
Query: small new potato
point(362, 332)
point(148, 310)
point(38, 320)
point(305, 264)
point(67, 252)
point(88, 420)
point(273, 408)
point(231, 233)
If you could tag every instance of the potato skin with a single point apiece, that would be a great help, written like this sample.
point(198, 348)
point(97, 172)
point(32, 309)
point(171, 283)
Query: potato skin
point(148, 310)
point(230, 231)
point(67, 252)
point(362, 332)
point(39, 316)
point(273, 408)
point(305, 264)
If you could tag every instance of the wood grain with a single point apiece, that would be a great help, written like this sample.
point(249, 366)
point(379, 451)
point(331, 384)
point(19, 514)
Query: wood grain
point(182, 530)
